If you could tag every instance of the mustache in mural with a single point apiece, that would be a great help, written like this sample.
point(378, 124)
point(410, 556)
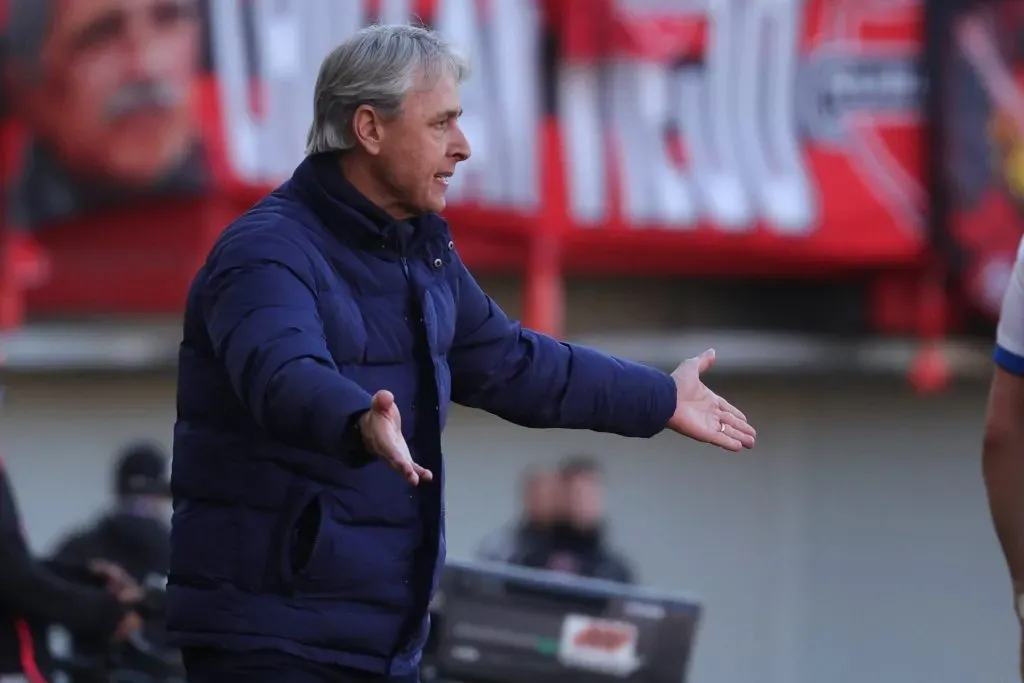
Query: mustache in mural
point(143, 95)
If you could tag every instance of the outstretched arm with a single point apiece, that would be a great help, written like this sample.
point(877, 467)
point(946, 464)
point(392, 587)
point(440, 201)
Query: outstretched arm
point(536, 381)
point(533, 380)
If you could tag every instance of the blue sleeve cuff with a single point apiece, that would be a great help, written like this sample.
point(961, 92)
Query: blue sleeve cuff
point(1009, 361)
point(314, 407)
point(666, 395)
point(619, 396)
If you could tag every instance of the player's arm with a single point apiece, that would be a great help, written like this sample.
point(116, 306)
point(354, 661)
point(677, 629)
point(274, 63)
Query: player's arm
point(1003, 451)
point(1003, 461)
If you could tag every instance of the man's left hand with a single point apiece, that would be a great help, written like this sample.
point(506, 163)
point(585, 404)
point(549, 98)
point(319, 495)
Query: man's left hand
point(703, 415)
point(119, 582)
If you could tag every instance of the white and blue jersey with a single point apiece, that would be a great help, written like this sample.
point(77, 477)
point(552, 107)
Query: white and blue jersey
point(1009, 353)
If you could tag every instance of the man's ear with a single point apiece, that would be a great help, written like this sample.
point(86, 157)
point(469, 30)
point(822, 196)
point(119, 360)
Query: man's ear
point(366, 125)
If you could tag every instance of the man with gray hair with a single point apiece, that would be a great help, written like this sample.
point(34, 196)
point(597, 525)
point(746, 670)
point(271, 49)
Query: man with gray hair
point(324, 341)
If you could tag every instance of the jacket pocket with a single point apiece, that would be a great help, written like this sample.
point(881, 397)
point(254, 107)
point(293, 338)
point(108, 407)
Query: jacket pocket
point(372, 561)
point(300, 533)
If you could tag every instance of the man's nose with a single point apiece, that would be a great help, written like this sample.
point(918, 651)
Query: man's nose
point(147, 55)
point(460, 145)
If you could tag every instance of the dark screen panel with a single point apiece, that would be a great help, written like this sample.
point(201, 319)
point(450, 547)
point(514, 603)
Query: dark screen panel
point(506, 625)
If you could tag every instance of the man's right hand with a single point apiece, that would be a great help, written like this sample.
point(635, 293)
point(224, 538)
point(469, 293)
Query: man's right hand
point(381, 429)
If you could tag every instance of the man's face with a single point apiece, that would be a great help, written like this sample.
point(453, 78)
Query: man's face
point(585, 493)
point(158, 507)
point(420, 148)
point(543, 498)
point(112, 95)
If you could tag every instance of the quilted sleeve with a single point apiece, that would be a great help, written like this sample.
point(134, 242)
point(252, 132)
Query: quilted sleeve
point(536, 381)
point(260, 310)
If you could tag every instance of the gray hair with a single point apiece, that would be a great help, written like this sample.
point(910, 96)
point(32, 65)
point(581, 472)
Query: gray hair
point(376, 66)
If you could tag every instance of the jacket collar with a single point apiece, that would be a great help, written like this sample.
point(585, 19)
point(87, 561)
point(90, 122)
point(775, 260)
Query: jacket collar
point(349, 214)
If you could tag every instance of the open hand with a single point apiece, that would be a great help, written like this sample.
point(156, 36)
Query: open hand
point(381, 427)
point(703, 415)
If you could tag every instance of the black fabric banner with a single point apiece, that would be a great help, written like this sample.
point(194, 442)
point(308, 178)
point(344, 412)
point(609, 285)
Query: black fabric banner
point(976, 107)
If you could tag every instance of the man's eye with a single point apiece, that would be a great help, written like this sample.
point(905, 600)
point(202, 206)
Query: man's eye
point(441, 125)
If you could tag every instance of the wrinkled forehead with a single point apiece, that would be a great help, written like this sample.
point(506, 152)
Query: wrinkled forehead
point(32, 25)
point(434, 94)
point(75, 18)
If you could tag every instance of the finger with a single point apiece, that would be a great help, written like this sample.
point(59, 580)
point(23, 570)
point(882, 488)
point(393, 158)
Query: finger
point(739, 423)
point(738, 430)
point(726, 441)
point(705, 360)
point(423, 473)
point(408, 470)
point(382, 402)
point(727, 407)
point(401, 460)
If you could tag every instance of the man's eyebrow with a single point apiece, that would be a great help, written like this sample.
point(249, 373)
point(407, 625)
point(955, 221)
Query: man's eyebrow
point(450, 114)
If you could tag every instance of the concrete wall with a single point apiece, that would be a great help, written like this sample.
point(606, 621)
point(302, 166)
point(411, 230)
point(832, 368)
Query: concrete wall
point(853, 546)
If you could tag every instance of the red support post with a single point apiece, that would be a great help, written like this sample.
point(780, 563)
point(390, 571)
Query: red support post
point(929, 372)
point(544, 305)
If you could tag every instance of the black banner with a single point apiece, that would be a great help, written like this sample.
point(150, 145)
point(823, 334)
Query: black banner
point(976, 104)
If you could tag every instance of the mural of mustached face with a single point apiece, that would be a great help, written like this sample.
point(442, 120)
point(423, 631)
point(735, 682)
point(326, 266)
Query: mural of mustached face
point(104, 89)
point(113, 84)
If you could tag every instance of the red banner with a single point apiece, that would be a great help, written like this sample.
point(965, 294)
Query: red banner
point(783, 131)
point(684, 136)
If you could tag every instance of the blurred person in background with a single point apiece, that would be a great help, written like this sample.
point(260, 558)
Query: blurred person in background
point(1003, 449)
point(135, 532)
point(35, 595)
point(104, 90)
point(579, 543)
point(325, 338)
point(533, 533)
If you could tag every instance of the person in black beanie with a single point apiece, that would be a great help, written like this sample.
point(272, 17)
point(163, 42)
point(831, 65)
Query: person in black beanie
point(135, 532)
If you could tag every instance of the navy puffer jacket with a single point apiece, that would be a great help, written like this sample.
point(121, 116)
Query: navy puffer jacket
point(286, 535)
